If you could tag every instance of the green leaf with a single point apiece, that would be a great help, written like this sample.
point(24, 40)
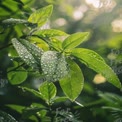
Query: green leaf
point(73, 83)
point(49, 33)
point(29, 111)
point(39, 42)
point(14, 21)
point(48, 90)
point(113, 109)
point(27, 3)
point(36, 93)
point(96, 62)
point(74, 40)
point(41, 16)
point(24, 54)
point(59, 99)
point(111, 97)
point(10, 8)
point(56, 44)
point(33, 49)
point(17, 108)
point(44, 110)
point(5, 117)
point(17, 76)
point(54, 65)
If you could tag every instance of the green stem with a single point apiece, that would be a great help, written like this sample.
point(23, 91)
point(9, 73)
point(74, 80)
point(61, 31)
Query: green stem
point(50, 113)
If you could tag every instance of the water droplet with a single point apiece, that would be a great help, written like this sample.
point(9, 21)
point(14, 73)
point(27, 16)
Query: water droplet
point(26, 56)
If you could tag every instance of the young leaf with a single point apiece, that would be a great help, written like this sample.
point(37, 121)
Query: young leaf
point(33, 49)
point(95, 62)
point(74, 40)
point(24, 54)
point(17, 76)
point(72, 84)
point(48, 90)
point(41, 16)
point(49, 33)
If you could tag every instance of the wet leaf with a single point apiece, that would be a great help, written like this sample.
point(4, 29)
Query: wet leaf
point(41, 16)
point(97, 63)
point(24, 54)
point(33, 49)
point(72, 84)
point(54, 65)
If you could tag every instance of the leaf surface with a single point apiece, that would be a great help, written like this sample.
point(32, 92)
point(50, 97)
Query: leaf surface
point(97, 63)
point(74, 40)
point(72, 84)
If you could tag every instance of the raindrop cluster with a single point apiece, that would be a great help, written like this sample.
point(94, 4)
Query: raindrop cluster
point(35, 51)
point(54, 65)
point(24, 54)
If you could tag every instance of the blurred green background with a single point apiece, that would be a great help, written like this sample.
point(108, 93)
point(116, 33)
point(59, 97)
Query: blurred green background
point(103, 19)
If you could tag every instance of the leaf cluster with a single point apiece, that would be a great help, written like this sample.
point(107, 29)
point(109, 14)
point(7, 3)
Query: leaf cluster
point(33, 44)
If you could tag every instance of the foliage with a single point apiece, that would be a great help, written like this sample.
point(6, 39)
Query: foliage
point(51, 55)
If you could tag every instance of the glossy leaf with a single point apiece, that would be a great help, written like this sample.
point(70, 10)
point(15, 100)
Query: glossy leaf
point(74, 40)
point(48, 90)
point(72, 84)
point(95, 62)
point(17, 76)
point(41, 16)
point(49, 33)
